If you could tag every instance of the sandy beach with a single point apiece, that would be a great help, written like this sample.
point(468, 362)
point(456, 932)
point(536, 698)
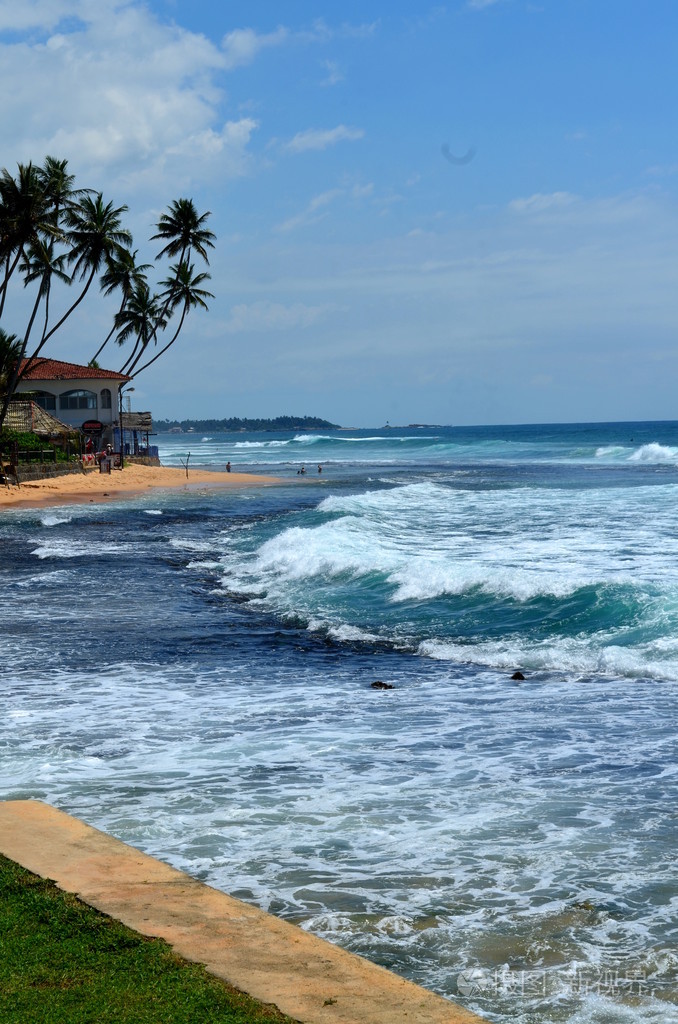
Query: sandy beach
point(97, 487)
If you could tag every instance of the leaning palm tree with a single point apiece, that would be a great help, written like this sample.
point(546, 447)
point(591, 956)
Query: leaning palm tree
point(123, 273)
point(182, 290)
point(184, 232)
point(141, 319)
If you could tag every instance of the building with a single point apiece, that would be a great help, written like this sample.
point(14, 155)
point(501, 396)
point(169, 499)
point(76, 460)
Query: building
point(83, 397)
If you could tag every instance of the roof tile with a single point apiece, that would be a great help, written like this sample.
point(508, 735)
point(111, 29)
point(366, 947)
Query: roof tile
point(55, 369)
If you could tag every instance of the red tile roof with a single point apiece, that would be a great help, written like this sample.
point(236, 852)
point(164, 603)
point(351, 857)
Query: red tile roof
point(54, 369)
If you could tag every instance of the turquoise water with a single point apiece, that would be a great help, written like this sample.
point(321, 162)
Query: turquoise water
point(192, 671)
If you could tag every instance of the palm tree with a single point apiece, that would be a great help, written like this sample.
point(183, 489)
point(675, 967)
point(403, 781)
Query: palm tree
point(57, 184)
point(141, 318)
point(41, 264)
point(30, 210)
point(184, 231)
point(10, 353)
point(183, 289)
point(121, 272)
point(26, 214)
point(94, 237)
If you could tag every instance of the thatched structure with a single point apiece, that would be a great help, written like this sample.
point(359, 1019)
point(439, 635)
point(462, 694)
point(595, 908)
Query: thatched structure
point(30, 418)
point(140, 421)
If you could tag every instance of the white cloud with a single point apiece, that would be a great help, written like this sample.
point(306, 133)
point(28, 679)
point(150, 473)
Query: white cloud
point(334, 74)
point(243, 44)
point(362, 191)
point(313, 211)
point(539, 203)
point(110, 87)
point(662, 170)
point(319, 139)
point(316, 209)
point(267, 316)
point(40, 14)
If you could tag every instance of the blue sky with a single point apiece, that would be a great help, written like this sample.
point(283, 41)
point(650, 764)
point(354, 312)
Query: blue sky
point(456, 213)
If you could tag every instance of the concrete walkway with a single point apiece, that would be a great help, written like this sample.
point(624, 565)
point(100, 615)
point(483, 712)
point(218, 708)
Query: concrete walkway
point(273, 961)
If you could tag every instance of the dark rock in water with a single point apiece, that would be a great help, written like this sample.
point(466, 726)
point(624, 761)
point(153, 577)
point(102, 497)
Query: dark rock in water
point(584, 905)
point(378, 685)
point(517, 675)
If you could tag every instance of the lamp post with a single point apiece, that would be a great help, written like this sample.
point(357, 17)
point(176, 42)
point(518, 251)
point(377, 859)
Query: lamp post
point(122, 433)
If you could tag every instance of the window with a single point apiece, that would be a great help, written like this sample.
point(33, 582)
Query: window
point(106, 398)
point(78, 400)
point(45, 400)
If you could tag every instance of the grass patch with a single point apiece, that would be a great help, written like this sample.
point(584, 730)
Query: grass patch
point(62, 962)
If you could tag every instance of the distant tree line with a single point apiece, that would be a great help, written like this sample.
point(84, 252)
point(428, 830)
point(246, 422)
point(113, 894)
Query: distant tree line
point(234, 423)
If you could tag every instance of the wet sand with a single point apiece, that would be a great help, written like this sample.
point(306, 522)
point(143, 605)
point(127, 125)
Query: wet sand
point(95, 487)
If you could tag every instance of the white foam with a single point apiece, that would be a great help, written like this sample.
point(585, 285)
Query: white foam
point(572, 655)
point(261, 445)
point(412, 545)
point(348, 633)
point(76, 548)
point(465, 814)
point(431, 541)
point(654, 453)
point(54, 519)
point(189, 544)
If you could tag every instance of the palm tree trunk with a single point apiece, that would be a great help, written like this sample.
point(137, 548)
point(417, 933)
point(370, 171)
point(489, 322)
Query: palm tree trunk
point(8, 273)
point(16, 373)
point(68, 312)
point(123, 368)
point(136, 352)
point(162, 350)
point(110, 333)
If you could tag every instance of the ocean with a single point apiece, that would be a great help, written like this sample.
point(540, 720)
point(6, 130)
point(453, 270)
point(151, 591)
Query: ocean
point(194, 673)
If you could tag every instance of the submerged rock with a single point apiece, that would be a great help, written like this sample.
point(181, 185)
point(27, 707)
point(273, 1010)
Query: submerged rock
point(517, 675)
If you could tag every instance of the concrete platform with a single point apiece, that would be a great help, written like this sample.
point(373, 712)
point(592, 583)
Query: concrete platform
point(273, 961)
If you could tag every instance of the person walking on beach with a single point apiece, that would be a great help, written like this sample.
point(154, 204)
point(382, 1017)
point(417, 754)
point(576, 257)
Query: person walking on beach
point(228, 467)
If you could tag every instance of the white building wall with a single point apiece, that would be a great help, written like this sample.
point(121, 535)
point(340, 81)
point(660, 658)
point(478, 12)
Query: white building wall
point(76, 417)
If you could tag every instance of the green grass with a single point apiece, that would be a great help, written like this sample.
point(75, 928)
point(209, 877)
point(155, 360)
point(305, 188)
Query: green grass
point(61, 962)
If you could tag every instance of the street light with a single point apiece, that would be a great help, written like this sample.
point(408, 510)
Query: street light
point(122, 433)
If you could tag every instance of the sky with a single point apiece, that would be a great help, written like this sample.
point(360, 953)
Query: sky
point(463, 213)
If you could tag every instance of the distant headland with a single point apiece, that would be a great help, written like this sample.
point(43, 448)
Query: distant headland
point(236, 424)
